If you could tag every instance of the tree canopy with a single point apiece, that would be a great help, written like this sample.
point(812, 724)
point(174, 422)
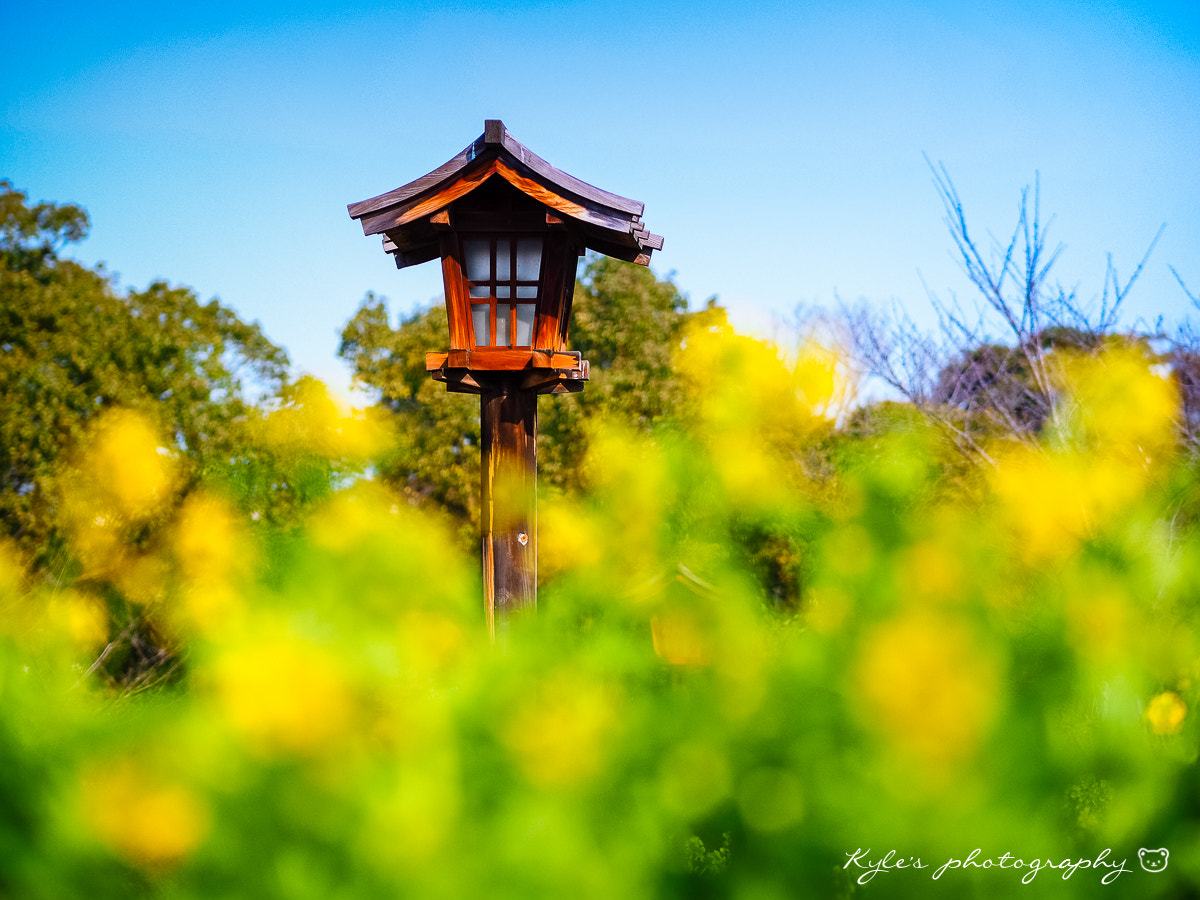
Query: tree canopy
point(75, 345)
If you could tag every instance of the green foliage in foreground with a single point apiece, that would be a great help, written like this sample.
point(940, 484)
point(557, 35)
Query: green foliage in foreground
point(1003, 661)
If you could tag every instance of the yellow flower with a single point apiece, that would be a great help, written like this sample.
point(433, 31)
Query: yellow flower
point(130, 464)
point(11, 571)
point(431, 639)
point(1098, 617)
point(1166, 713)
point(150, 822)
point(207, 541)
point(81, 618)
point(313, 421)
point(283, 695)
point(931, 571)
point(559, 736)
point(1123, 405)
point(928, 686)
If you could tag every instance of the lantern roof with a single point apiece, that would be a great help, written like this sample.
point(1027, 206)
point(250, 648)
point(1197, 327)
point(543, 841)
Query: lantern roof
point(411, 216)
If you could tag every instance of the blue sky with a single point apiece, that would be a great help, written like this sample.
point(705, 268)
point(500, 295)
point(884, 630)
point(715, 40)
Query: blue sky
point(777, 147)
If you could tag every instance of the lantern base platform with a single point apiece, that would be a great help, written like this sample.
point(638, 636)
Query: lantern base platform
point(479, 371)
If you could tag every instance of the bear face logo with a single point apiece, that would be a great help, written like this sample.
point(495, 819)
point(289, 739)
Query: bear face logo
point(1153, 860)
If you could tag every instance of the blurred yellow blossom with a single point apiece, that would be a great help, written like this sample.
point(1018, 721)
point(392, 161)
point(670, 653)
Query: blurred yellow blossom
point(754, 408)
point(207, 540)
point(560, 736)
point(11, 570)
point(634, 476)
point(144, 578)
point(928, 685)
point(431, 639)
point(826, 609)
point(312, 420)
point(1116, 422)
point(79, 617)
point(283, 695)
point(1098, 619)
point(569, 537)
point(213, 552)
point(130, 464)
point(820, 379)
point(148, 821)
point(1123, 404)
point(1054, 500)
point(1166, 713)
point(120, 477)
point(930, 570)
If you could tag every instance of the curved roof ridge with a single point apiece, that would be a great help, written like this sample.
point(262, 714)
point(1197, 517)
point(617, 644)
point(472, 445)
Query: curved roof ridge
point(608, 220)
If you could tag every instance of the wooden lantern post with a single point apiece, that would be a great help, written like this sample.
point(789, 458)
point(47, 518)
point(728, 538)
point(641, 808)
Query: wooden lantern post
point(509, 229)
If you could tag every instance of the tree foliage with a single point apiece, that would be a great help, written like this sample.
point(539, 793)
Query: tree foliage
point(75, 346)
point(31, 236)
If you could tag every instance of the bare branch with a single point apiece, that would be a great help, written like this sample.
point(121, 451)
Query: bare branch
point(1193, 297)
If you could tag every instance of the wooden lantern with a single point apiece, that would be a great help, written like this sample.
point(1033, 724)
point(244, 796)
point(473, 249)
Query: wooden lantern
point(509, 229)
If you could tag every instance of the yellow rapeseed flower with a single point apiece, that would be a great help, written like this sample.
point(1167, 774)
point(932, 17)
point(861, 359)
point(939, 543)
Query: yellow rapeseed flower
point(11, 571)
point(312, 420)
point(130, 463)
point(150, 822)
point(207, 540)
point(81, 618)
point(1166, 713)
point(568, 537)
point(283, 695)
point(1123, 404)
point(754, 406)
point(213, 551)
point(927, 685)
point(680, 639)
point(560, 736)
point(432, 640)
point(931, 570)
point(1098, 619)
point(1055, 500)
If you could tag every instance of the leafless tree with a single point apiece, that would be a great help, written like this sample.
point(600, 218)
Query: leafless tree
point(1184, 359)
point(989, 367)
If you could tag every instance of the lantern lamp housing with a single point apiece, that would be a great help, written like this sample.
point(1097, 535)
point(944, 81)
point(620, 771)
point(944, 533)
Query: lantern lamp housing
point(509, 229)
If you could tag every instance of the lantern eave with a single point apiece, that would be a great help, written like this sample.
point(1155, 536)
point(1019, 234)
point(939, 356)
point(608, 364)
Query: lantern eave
point(599, 219)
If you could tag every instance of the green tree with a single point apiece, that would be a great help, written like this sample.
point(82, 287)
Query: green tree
point(32, 235)
point(75, 346)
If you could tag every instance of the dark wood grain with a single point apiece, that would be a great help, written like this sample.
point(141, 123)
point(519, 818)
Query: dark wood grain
point(567, 181)
point(508, 508)
point(420, 185)
point(404, 213)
